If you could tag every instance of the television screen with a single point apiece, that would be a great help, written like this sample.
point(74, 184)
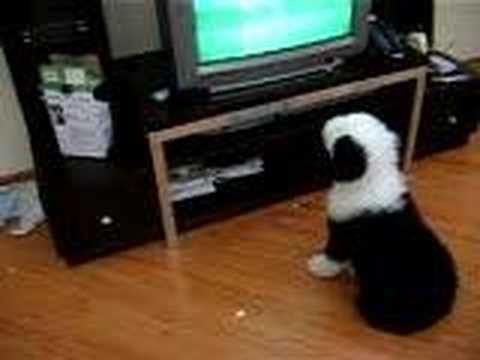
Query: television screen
point(235, 29)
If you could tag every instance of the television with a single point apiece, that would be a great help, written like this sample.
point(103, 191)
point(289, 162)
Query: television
point(223, 45)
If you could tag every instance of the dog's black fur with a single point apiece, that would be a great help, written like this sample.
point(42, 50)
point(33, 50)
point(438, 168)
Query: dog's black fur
point(348, 160)
point(406, 277)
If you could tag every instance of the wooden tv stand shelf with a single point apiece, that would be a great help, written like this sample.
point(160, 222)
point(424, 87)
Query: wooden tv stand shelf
point(178, 121)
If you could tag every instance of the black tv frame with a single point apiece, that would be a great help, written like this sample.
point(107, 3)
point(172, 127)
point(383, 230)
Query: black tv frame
point(178, 35)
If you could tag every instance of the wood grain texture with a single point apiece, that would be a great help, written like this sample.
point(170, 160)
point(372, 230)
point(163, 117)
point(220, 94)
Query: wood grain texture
point(153, 303)
point(415, 120)
point(160, 168)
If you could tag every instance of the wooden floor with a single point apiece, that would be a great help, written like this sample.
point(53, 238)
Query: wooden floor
point(235, 290)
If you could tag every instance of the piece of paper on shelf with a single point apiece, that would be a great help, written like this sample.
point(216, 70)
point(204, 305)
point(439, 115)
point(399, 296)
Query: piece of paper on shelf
point(184, 190)
point(249, 168)
point(82, 124)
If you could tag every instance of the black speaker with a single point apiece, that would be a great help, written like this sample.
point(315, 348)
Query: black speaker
point(451, 114)
point(407, 16)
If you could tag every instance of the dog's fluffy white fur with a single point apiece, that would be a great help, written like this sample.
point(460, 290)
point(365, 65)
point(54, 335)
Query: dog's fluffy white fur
point(382, 187)
point(406, 277)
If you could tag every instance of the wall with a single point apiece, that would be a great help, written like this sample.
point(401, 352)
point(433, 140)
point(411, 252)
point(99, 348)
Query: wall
point(14, 148)
point(132, 26)
point(457, 27)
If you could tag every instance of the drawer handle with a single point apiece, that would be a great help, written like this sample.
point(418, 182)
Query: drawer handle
point(83, 28)
point(106, 221)
point(452, 120)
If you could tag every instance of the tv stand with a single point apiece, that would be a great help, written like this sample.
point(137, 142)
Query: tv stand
point(290, 105)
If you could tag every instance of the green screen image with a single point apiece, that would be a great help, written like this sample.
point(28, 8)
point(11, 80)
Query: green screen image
point(233, 29)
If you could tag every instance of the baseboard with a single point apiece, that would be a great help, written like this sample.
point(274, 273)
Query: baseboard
point(19, 177)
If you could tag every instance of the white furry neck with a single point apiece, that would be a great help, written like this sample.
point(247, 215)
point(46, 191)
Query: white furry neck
point(382, 188)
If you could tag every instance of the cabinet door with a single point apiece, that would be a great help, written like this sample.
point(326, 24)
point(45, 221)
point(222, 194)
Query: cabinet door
point(105, 209)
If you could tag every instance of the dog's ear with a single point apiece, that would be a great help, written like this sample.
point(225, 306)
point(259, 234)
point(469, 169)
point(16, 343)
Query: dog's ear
point(348, 160)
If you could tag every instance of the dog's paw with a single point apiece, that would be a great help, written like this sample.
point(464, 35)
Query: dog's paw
point(323, 267)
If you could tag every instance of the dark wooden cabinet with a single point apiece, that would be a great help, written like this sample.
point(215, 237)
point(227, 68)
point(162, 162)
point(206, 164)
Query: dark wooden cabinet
point(94, 207)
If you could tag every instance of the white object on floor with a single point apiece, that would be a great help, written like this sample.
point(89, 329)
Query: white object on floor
point(7, 203)
point(240, 314)
point(20, 203)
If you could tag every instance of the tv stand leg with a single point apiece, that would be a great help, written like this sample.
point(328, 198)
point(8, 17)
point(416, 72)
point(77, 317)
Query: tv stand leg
point(157, 150)
point(415, 119)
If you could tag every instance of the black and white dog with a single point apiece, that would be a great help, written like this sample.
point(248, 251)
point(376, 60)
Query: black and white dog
point(406, 277)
